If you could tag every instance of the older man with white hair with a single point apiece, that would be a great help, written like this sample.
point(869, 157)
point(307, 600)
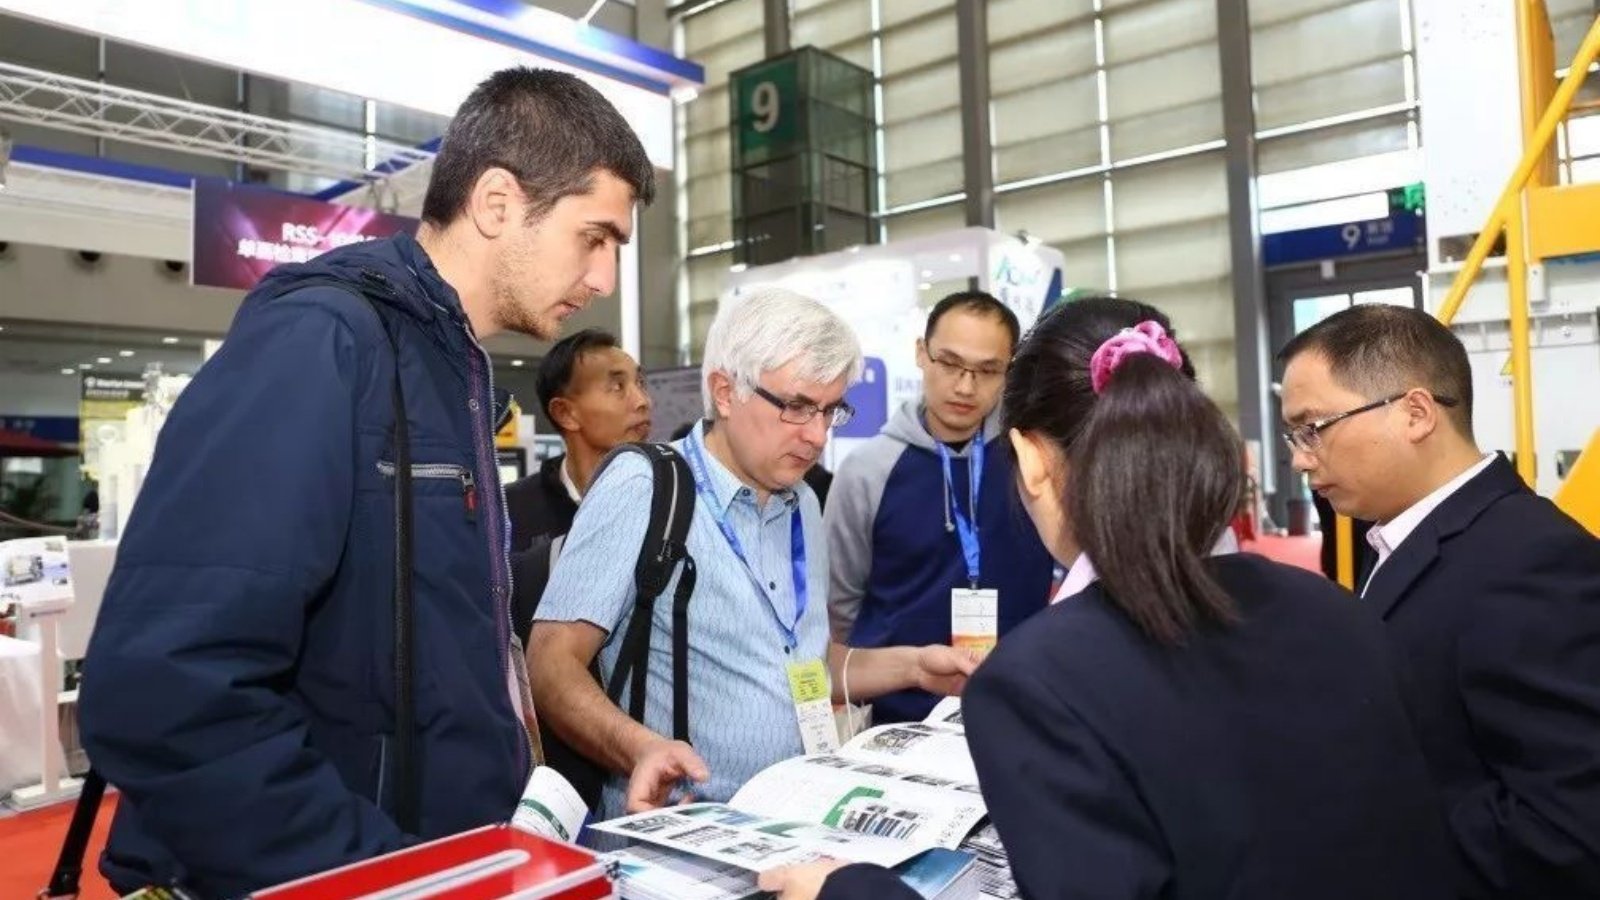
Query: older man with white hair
point(774, 377)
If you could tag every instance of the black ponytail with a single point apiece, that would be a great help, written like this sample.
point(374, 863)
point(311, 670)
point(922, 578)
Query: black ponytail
point(1156, 471)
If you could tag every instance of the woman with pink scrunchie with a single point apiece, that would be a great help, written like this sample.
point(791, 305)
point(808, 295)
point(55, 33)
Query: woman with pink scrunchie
point(1186, 722)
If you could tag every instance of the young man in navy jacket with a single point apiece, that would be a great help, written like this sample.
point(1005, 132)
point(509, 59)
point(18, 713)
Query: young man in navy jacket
point(239, 687)
point(923, 524)
point(1491, 595)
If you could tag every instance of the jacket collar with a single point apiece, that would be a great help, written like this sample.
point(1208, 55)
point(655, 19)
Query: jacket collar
point(1392, 581)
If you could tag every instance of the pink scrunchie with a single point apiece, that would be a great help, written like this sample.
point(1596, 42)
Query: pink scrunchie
point(1146, 337)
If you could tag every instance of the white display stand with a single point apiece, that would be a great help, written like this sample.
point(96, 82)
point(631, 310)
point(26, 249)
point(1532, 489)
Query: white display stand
point(35, 578)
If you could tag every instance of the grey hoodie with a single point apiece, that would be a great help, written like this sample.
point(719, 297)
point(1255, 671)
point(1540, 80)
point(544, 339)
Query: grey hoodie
point(855, 498)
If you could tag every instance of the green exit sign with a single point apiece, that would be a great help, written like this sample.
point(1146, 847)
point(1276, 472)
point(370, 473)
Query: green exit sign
point(1412, 199)
point(767, 110)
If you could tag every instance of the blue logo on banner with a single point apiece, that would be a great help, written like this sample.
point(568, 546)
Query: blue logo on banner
point(870, 397)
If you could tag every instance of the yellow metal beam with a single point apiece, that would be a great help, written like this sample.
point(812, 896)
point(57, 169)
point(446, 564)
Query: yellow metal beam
point(1521, 353)
point(1536, 57)
point(1532, 154)
point(1579, 496)
point(1344, 535)
point(1562, 221)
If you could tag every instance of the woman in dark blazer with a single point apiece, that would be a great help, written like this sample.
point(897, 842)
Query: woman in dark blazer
point(1185, 725)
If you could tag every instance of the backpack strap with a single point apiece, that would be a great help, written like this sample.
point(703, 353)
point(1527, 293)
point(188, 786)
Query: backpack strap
point(69, 865)
point(406, 808)
point(665, 545)
point(407, 811)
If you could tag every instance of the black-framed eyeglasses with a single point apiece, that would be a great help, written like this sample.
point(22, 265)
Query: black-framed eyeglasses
point(801, 412)
point(1307, 438)
point(953, 369)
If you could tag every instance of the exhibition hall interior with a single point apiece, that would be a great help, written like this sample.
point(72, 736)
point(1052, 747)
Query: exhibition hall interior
point(370, 369)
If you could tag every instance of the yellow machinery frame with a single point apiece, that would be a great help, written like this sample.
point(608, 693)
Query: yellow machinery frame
point(1540, 219)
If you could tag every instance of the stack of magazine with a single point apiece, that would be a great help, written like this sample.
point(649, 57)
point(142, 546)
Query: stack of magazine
point(902, 796)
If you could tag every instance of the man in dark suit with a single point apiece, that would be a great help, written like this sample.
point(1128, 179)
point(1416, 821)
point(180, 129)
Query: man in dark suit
point(593, 392)
point(1490, 594)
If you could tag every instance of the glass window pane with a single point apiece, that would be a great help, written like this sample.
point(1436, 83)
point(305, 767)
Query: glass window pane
point(1308, 311)
point(1395, 296)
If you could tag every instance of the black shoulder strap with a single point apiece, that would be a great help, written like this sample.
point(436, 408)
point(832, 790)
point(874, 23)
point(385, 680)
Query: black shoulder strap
point(406, 808)
point(69, 865)
point(665, 545)
point(407, 792)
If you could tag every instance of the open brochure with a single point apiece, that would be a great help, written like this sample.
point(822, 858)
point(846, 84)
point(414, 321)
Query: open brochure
point(887, 796)
point(644, 872)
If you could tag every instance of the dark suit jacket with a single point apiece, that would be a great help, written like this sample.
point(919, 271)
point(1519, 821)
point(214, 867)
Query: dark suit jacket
point(1493, 606)
point(1265, 761)
point(539, 505)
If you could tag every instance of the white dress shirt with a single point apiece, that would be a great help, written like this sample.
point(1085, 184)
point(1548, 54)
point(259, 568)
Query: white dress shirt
point(1386, 538)
point(1082, 573)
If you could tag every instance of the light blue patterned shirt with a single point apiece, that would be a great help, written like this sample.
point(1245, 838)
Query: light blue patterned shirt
point(741, 717)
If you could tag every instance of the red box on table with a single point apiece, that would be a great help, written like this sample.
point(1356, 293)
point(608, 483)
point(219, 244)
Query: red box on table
point(496, 862)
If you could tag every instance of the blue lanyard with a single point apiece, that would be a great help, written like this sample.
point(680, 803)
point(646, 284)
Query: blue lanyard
point(797, 546)
point(966, 529)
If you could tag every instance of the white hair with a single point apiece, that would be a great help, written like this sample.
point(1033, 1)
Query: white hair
point(769, 329)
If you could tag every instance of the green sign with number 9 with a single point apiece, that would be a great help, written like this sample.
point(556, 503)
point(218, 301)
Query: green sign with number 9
point(766, 96)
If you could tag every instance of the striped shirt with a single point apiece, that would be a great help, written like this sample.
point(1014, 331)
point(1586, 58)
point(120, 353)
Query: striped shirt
point(741, 716)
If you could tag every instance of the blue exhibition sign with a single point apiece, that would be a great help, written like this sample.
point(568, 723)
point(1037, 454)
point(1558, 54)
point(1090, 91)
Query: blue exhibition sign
point(1400, 231)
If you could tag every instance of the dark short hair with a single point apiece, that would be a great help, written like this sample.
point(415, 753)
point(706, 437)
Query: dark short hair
point(1157, 471)
point(978, 302)
point(555, 370)
point(550, 129)
point(1379, 350)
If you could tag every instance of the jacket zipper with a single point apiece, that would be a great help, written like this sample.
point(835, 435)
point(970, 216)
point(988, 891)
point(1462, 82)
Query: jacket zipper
point(482, 435)
point(443, 471)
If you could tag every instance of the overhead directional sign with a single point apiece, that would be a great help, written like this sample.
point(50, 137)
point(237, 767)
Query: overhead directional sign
point(1404, 229)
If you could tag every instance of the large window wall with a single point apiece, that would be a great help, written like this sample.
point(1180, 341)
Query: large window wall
point(1107, 131)
point(724, 38)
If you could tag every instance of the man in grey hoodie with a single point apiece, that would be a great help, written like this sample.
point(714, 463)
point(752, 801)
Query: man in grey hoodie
point(926, 541)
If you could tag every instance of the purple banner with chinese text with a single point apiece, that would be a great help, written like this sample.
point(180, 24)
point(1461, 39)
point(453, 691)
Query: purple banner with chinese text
point(242, 232)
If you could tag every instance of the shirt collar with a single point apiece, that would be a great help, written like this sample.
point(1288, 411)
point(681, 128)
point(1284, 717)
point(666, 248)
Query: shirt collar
point(729, 489)
point(567, 482)
point(1082, 573)
point(1386, 538)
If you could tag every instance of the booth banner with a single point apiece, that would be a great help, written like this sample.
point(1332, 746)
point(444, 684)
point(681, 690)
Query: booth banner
point(56, 429)
point(1024, 279)
point(675, 400)
point(105, 399)
point(242, 232)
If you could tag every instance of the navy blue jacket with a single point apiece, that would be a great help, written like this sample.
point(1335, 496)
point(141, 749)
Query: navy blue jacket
point(238, 689)
point(1493, 606)
point(893, 554)
point(1265, 761)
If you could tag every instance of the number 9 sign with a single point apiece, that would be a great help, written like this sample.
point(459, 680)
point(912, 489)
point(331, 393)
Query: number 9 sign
point(765, 104)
